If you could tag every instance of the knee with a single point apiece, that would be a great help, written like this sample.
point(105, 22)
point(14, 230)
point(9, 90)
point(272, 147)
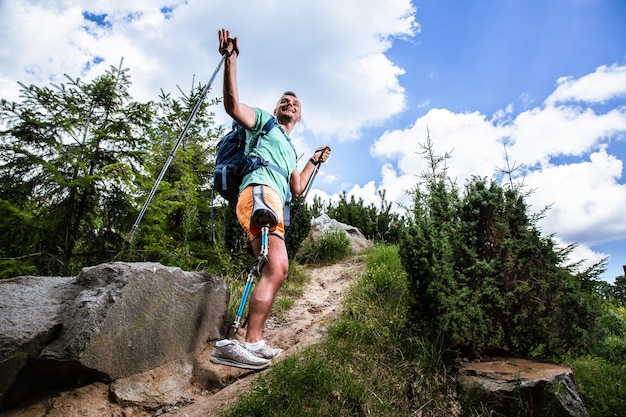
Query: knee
point(278, 261)
point(283, 268)
point(277, 273)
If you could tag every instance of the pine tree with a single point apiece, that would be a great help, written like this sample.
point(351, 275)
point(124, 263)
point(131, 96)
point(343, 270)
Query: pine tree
point(70, 157)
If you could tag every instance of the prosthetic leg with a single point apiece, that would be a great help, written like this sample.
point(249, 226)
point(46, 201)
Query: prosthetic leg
point(264, 219)
point(253, 271)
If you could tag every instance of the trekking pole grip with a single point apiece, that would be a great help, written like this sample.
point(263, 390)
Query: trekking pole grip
point(229, 48)
point(320, 161)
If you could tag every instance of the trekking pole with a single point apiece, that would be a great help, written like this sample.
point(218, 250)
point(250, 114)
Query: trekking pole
point(309, 184)
point(182, 135)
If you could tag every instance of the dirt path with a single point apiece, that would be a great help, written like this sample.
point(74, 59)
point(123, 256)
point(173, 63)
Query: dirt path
point(302, 325)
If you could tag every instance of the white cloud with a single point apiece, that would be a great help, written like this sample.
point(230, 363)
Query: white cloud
point(473, 142)
point(587, 199)
point(605, 83)
point(395, 189)
point(582, 254)
point(541, 133)
point(367, 192)
point(330, 53)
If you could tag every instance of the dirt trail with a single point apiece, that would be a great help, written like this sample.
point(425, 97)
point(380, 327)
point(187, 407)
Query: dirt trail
point(302, 325)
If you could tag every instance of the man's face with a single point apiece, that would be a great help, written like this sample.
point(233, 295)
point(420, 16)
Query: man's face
point(288, 109)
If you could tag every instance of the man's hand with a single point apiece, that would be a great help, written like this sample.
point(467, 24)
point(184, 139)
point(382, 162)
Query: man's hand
point(324, 152)
point(227, 44)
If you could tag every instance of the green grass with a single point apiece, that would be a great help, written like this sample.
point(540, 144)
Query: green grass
point(332, 247)
point(364, 366)
point(602, 384)
point(370, 363)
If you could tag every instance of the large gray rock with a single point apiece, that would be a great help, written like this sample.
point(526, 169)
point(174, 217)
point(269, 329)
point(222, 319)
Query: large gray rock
point(323, 224)
point(30, 318)
point(526, 388)
point(112, 321)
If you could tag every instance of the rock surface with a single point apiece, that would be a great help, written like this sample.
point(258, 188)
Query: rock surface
point(111, 322)
point(30, 319)
point(537, 388)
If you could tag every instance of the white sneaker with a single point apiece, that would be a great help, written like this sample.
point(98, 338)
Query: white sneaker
point(232, 353)
point(266, 352)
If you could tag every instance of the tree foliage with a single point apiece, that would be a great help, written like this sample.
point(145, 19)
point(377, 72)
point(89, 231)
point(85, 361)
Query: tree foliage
point(180, 221)
point(300, 226)
point(77, 163)
point(376, 223)
point(70, 155)
point(619, 291)
point(481, 274)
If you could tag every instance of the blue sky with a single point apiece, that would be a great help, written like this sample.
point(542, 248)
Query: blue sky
point(548, 77)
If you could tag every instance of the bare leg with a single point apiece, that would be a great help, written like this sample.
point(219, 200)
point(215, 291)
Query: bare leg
point(272, 278)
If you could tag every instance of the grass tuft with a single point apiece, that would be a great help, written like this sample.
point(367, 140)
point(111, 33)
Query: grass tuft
point(332, 247)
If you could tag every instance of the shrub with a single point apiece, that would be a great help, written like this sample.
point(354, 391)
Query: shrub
point(300, 226)
point(481, 273)
point(378, 224)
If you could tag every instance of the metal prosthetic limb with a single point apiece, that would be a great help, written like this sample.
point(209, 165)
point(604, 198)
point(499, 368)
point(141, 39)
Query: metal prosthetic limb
point(254, 271)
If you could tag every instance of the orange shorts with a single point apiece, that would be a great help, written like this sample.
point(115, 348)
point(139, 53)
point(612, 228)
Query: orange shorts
point(257, 205)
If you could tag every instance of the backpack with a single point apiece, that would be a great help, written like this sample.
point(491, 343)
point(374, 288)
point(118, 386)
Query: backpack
point(232, 162)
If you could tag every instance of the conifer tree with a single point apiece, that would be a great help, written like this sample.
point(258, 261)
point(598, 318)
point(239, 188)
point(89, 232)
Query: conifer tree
point(70, 156)
point(482, 276)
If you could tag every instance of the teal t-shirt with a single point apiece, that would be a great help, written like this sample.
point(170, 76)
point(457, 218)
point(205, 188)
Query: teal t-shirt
point(275, 148)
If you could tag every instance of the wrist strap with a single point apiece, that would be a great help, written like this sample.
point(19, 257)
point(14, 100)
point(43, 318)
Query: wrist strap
point(314, 162)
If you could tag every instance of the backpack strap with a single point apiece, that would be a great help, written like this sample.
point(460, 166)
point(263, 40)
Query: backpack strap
point(269, 125)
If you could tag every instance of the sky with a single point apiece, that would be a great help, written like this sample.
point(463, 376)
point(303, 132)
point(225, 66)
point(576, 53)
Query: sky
point(539, 85)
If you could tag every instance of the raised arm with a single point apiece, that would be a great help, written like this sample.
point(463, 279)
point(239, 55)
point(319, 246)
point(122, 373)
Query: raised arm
point(239, 111)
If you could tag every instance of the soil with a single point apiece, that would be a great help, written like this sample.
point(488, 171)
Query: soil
point(302, 325)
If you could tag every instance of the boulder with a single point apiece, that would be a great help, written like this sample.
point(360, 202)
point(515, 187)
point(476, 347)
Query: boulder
point(523, 387)
point(30, 318)
point(323, 224)
point(112, 321)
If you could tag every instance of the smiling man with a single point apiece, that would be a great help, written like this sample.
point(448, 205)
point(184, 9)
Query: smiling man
point(261, 200)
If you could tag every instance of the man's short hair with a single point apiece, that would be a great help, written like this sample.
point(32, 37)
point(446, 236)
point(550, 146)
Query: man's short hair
point(290, 93)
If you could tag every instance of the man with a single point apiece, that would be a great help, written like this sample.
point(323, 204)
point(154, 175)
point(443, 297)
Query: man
point(263, 191)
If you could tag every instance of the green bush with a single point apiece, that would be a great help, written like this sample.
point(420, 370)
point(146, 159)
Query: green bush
point(300, 226)
point(610, 338)
point(378, 224)
point(480, 272)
